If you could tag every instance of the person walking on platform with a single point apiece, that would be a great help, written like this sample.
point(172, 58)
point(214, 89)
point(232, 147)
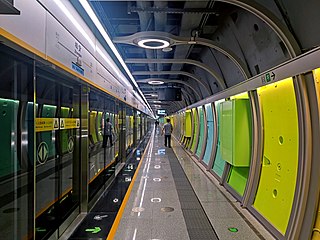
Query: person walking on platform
point(167, 130)
point(107, 133)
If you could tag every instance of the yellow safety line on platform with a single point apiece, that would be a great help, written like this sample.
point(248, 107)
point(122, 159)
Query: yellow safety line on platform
point(116, 222)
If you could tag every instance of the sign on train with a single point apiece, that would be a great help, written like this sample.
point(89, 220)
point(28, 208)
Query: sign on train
point(46, 124)
point(50, 124)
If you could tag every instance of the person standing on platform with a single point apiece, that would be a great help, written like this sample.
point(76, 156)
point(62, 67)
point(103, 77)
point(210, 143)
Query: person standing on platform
point(107, 133)
point(156, 123)
point(167, 130)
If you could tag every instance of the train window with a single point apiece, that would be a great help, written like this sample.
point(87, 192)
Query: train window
point(57, 127)
point(102, 149)
point(16, 145)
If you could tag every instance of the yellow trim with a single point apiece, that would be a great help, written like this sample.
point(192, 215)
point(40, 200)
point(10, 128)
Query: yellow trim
point(33, 50)
point(21, 43)
point(243, 95)
point(65, 193)
point(60, 65)
point(116, 222)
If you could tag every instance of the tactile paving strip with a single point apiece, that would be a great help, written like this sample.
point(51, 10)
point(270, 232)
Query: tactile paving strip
point(197, 223)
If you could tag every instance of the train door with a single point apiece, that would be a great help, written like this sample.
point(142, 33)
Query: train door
point(57, 127)
point(101, 150)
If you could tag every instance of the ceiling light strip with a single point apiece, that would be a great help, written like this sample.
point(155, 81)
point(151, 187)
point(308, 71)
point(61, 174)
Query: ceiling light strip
point(106, 37)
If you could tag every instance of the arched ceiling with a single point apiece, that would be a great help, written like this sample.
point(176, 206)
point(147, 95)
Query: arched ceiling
point(213, 45)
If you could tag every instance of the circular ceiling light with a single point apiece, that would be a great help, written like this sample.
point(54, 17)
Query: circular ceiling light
point(153, 43)
point(156, 82)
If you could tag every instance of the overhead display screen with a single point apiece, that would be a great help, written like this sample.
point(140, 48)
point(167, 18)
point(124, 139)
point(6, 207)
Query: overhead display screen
point(161, 112)
point(169, 94)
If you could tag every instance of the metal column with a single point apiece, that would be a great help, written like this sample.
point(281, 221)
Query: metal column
point(84, 147)
point(122, 134)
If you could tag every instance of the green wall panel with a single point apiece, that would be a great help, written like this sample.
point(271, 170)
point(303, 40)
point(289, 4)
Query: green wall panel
point(275, 194)
point(219, 163)
point(195, 131)
point(235, 128)
point(236, 131)
point(238, 178)
point(49, 111)
point(201, 131)
point(226, 131)
point(210, 134)
point(8, 120)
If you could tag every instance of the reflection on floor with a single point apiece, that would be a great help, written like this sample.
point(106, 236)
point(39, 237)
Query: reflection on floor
point(171, 198)
point(98, 222)
point(164, 205)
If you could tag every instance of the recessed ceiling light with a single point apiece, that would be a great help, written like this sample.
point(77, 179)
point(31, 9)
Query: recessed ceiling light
point(167, 49)
point(156, 82)
point(156, 101)
point(153, 43)
point(150, 95)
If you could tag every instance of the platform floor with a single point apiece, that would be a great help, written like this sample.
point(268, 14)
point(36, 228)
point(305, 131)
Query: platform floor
point(173, 198)
point(170, 197)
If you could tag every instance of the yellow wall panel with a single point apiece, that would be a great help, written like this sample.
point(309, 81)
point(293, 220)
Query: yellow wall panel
point(277, 183)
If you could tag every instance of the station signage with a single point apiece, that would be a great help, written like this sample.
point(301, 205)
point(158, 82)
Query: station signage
point(161, 112)
point(51, 124)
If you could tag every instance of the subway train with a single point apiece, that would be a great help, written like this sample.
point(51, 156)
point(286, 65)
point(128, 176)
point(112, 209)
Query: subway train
point(260, 141)
point(54, 108)
point(51, 125)
point(60, 81)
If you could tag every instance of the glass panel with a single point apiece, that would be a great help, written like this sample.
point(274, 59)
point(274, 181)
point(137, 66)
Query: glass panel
point(57, 130)
point(138, 126)
point(219, 163)
point(235, 139)
point(209, 142)
point(103, 143)
point(16, 145)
